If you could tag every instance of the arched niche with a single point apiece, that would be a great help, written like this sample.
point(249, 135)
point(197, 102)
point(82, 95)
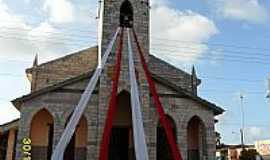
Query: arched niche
point(41, 134)
point(126, 14)
point(163, 150)
point(77, 147)
point(196, 139)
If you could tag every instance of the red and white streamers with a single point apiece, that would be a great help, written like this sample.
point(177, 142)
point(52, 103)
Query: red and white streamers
point(137, 121)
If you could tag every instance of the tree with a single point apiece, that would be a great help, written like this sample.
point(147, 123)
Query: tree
point(248, 154)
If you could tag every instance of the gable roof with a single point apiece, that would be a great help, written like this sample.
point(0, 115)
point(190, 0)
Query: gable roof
point(156, 66)
point(153, 61)
point(62, 68)
point(16, 102)
point(66, 57)
point(184, 93)
point(217, 110)
point(7, 126)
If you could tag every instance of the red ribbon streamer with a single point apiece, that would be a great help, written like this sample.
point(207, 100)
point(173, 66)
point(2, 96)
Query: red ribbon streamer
point(163, 119)
point(104, 147)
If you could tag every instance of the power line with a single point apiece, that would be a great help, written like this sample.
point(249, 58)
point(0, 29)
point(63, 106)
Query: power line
point(73, 36)
point(65, 28)
point(230, 59)
point(44, 41)
point(61, 34)
point(231, 79)
point(216, 44)
point(222, 92)
point(188, 51)
point(12, 75)
point(210, 51)
point(166, 40)
point(187, 55)
point(177, 76)
point(266, 124)
point(203, 78)
point(196, 54)
point(50, 37)
point(3, 59)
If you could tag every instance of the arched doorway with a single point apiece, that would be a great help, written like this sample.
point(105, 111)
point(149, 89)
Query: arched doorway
point(77, 147)
point(41, 134)
point(196, 139)
point(121, 140)
point(163, 151)
point(126, 14)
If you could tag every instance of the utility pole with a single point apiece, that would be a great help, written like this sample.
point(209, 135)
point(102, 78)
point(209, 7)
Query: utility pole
point(243, 120)
point(268, 88)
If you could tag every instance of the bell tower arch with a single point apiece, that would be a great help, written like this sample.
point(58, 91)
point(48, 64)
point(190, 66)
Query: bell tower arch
point(129, 14)
point(126, 15)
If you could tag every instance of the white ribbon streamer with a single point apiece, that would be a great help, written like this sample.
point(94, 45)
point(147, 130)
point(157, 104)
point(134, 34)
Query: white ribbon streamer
point(100, 32)
point(138, 130)
point(79, 109)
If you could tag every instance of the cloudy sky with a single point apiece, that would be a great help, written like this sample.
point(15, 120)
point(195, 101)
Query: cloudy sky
point(227, 41)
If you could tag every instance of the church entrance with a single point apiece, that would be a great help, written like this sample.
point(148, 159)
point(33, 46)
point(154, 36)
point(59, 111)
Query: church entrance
point(121, 140)
point(119, 144)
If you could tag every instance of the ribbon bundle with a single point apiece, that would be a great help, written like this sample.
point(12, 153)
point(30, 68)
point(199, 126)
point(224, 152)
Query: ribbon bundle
point(137, 121)
point(163, 119)
point(79, 109)
point(103, 154)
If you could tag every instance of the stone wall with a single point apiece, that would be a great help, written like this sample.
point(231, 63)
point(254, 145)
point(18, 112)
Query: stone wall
point(63, 68)
point(171, 73)
point(60, 104)
point(182, 110)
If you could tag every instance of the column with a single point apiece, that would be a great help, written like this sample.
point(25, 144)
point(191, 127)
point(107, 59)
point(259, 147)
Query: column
point(11, 142)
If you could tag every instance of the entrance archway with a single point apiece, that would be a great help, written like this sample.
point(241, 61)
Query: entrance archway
point(196, 139)
point(121, 140)
point(126, 14)
point(163, 151)
point(77, 147)
point(41, 134)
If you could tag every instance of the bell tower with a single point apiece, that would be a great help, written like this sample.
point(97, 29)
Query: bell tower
point(128, 14)
point(132, 14)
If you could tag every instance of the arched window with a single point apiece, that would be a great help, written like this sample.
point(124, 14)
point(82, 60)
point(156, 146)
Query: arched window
point(126, 15)
point(196, 139)
point(163, 148)
point(77, 147)
point(41, 134)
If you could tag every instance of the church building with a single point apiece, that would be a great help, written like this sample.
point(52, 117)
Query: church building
point(56, 87)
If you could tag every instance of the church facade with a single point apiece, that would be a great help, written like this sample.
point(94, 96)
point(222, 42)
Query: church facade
point(56, 87)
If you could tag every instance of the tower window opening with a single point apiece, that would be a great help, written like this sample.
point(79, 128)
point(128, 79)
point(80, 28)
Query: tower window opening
point(126, 15)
